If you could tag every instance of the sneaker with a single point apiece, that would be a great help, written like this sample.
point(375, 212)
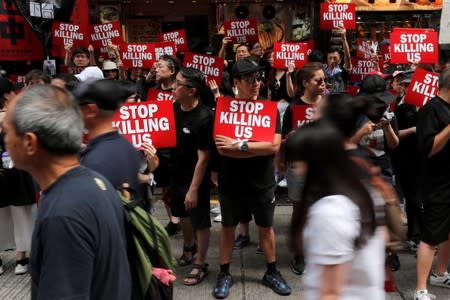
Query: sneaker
point(172, 228)
point(241, 241)
point(423, 295)
point(223, 285)
point(277, 283)
point(282, 183)
point(218, 218)
point(21, 266)
point(259, 249)
point(215, 209)
point(298, 265)
point(410, 246)
point(393, 261)
point(442, 281)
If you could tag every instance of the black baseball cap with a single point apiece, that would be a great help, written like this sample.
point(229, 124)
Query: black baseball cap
point(107, 94)
point(245, 66)
point(375, 86)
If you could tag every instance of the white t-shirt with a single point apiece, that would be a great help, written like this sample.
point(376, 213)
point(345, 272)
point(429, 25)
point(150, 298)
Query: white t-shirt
point(333, 224)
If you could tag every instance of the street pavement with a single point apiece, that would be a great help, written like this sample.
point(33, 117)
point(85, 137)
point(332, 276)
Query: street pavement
point(247, 269)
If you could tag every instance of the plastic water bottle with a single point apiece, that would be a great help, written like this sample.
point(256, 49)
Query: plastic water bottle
point(7, 161)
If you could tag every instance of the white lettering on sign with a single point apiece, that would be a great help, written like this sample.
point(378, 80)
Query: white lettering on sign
point(309, 112)
point(204, 64)
point(69, 33)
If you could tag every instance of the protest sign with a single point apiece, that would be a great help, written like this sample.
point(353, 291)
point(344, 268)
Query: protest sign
point(360, 68)
point(424, 86)
point(104, 35)
point(335, 15)
point(67, 33)
point(164, 48)
point(301, 115)
point(147, 122)
point(211, 66)
point(137, 55)
point(179, 37)
point(253, 120)
point(414, 45)
point(158, 95)
point(285, 53)
point(242, 31)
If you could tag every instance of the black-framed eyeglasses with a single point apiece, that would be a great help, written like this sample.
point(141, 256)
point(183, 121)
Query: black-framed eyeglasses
point(252, 79)
point(177, 84)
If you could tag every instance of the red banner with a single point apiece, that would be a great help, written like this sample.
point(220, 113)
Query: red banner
point(334, 15)
point(424, 86)
point(158, 95)
point(144, 122)
point(104, 35)
point(17, 41)
point(253, 120)
point(164, 48)
point(179, 37)
point(285, 53)
point(242, 31)
point(365, 49)
point(410, 45)
point(137, 55)
point(360, 69)
point(211, 66)
point(301, 115)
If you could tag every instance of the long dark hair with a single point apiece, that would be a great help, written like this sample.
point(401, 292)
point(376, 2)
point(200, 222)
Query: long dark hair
point(305, 74)
point(329, 172)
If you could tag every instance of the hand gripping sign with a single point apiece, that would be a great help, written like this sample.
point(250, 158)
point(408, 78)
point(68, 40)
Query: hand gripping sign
point(301, 115)
point(158, 95)
point(253, 120)
point(211, 66)
point(179, 37)
point(334, 15)
point(285, 53)
point(414, 45)
point(137, 55)
point(242, 31)
point(147, 122)
point(424, 86)
point(104, 35)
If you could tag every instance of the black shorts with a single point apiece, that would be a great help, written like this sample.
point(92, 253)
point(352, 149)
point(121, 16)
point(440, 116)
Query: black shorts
point(436, 223)
point(162, 172)
point(237, 207)
point(199, 215)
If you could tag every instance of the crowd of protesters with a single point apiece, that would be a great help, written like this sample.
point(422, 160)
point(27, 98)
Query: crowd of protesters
point(58, 145)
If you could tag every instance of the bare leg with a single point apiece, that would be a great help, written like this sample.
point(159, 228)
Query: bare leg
point(20, 255)
point(425, 254)
point(226, 244)
point(267, 242)
point(202, 243)
point(443, 258)
point(244, 229)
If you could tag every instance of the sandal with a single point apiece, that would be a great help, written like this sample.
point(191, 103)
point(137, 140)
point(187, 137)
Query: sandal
point(184, 260)
point(202, 272)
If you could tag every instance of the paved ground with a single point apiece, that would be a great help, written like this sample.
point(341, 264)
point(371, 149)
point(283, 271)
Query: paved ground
point(247, 269)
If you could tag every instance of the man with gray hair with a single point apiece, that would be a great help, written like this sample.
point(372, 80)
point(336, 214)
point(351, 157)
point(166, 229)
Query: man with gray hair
point(79, 246)
point(433, 134)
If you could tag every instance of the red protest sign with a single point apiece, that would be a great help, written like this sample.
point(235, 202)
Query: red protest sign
point(334, 15)
point(158, 95)
point(254, 120)
point(242, 31)
point(301, 115)
point(144, 122)
point(211, 66)
point(414, 45)
point(179, 37)
point(285, 53)
point(17, 41)
point(137, 55)
point(164, 48)
point(360, 69)
point(365, 49)
point(424, 86)
point(67, 33)
point(104, 35)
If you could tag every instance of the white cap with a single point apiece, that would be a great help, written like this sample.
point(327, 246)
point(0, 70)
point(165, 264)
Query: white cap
point(109, 65)
point(90, 74)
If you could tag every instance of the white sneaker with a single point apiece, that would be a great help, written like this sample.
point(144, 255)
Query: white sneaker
point(442, 281)
point(216, 209)
point(423, 295)
point(21, 269)
point(282, 183)
point(218, 218)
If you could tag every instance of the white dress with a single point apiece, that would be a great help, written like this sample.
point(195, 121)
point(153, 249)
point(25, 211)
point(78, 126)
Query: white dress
point(333, 224)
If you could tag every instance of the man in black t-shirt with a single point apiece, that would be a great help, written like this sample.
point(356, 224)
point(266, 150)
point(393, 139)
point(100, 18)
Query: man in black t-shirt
point(246, 184)
point(79, 246)
point(190, 175)
point(433, 134)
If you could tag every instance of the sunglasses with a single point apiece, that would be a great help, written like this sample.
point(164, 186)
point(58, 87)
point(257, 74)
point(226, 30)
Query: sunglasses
point(252, 79)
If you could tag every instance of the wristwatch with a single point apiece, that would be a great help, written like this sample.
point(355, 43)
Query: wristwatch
point(243, 146)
